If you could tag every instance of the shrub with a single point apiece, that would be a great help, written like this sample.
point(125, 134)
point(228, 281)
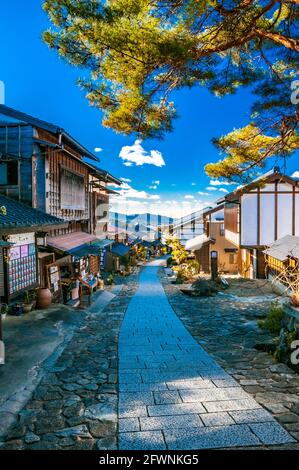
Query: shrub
point(169, 261)
point(273, 320)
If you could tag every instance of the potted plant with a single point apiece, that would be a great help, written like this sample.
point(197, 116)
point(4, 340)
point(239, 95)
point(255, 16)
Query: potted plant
point(110, 280)
point(4, 310)
point(28, 303)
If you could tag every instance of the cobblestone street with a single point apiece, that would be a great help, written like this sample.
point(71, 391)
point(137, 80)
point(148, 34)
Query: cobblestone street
point(227, 329)
point(136, 376)
point(75, 405)
point(173, 395)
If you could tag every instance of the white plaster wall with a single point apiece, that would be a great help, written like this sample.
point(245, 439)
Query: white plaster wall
point(285, 207)
point(249, 219)
point(284, 187)
point(297, 215)
point(232, 237)
point(267, 219)
point(268, 187)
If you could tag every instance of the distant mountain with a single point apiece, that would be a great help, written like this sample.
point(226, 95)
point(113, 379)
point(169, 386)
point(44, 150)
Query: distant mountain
point(153, 220)
point(140, 225)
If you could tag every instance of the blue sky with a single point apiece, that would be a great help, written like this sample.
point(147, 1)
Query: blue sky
point(39, 83)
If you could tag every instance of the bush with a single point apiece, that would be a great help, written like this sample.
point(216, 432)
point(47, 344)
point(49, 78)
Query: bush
point(169, 261)
point(186, 271)
point(273, 320)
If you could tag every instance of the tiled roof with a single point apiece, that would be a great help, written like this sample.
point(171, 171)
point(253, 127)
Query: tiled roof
point(19, 215)
point(197, 242)
point(55, 129)
point(70, 241)
point(287, 246)
point(119, 249)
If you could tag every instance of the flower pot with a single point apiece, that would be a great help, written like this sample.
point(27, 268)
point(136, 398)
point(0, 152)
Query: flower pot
point(43, 298)
point(295, 299)
point(27, 308)
point(17, 310)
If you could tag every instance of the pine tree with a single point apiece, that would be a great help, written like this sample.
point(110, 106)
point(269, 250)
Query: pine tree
point(138, 51)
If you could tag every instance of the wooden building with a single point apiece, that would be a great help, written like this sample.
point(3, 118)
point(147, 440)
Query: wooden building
point(213, 239)
point(46, 168)
point(258, 214)
point(189, 226)
point(20, 226)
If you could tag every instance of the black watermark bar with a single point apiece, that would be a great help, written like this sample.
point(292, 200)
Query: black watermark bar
point(142, 459)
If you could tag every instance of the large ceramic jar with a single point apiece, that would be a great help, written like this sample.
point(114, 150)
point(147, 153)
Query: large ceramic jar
point(43, 298)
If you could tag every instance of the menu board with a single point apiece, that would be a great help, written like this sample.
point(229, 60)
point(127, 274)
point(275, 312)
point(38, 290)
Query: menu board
point(22, 269)
point(53, 277)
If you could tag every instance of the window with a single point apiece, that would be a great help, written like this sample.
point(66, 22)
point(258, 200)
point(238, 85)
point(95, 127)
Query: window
point(72, 190)
point(9, 173)
point(231, 258)
point(221, 230)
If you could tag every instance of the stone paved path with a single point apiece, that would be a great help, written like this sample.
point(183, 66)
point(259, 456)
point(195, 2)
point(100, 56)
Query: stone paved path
point(172, 394)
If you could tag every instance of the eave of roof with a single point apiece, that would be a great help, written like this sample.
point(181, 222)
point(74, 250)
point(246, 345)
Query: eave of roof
point(53, 128)
point(198, 242)
point(105, 175)
point(284, 248)
point(20, 216)
point(259, 182)
point(119, 249)
point(214, 209)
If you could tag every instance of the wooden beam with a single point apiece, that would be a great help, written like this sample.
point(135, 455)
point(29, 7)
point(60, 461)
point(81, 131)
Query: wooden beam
point(258, 238)
point(276, 211)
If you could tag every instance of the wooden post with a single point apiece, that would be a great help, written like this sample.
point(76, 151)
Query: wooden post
point(2, 346)
point(214, 265)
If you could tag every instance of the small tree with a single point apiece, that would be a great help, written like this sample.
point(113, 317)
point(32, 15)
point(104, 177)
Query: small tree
point(179, 254)
point(141, 253)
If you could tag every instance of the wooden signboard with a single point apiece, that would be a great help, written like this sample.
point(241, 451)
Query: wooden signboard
point(53, 280)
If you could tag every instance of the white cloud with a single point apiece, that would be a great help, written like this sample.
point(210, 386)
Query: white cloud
point(157, 182)
point(126, 180)
point(125, 191)
point(98, 149)
point(193, 184)
point(223, 190)
point(220, 183)
point(211, 188)
point(189, 196)
point(295, 174)
point(154, 186)
point(202, 193)
point(136, 154)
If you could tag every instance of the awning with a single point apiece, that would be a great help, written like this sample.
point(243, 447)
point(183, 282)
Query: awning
point(4, 244)
point(84, 250)
point(119, 249)
point(70, 241)
point(284, 248)
point(146, 244)
point(100, 244)
point(157, 243)
point(198, 242)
